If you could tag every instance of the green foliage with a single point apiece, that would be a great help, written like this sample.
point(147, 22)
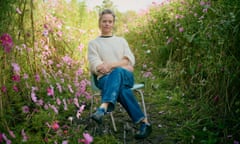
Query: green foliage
point(106, 139)
point(106, 4)
point(195, 45)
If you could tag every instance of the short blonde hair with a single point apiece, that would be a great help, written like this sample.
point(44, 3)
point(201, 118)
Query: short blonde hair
point(106, 11)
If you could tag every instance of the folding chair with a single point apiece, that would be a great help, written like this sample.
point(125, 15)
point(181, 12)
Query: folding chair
point(97, 92)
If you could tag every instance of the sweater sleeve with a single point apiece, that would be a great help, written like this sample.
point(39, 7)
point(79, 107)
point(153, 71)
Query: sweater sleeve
point(93, 57)
point(128, 53)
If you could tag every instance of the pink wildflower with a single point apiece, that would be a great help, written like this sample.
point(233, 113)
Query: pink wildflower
point(82, 108)
point(54, 108)
point(7, 42)
point(45, 26)
point(25, 76)
point(50, 91)
point(70, 88)
point(65, 142)
point(59, 33)
point(40, 102)
point(4, 137)
point(147, 74)
point(4, 89)
point(16, 78)
point(15, 88)
point(67, 60)
point(37, 78)
point(80, 47)
point(178, 16)
point(79, 112)
point(11, 134)
point(75, 100)
point(87, 139)
point(45, 33)
point(65, 104)
point(16, 67)
point(58, 101)
point(1, 137)
point(59, 87)
point(33, 96)
point(235, 142)
point(58, 65)
point(55, 126)
point(25, 137)
point(25, 109)
point(45, 106)
point(202, 3)
point(8, 141)
point(181, 29)
point(87, 95)
point(18, 11)
point(169, 40)
point(79, 72)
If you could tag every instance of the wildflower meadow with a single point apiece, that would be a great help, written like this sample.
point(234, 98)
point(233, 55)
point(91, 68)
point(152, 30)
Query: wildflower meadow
point(187, 55)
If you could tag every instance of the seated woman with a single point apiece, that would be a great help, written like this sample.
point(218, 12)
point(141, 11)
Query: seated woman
point(112, 61)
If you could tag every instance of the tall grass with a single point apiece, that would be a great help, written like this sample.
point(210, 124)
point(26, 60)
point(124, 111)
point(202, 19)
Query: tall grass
point(195, 44)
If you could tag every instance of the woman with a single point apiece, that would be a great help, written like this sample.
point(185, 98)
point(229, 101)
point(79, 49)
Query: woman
point(112, 61)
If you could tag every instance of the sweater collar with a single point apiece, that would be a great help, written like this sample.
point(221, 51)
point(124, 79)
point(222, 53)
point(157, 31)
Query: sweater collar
point(106, 36)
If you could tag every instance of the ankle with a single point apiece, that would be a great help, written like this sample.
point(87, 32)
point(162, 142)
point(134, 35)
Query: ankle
point(104, 106)
point(145, 121)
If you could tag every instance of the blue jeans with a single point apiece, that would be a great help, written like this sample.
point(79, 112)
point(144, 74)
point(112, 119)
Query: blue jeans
point(116, 87)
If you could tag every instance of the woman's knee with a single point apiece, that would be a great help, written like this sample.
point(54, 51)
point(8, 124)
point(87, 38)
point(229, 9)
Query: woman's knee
point(118, 69)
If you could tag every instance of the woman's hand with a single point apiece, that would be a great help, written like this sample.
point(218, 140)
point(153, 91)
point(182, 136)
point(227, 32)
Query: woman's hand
point(129, 68)
point(104, 68)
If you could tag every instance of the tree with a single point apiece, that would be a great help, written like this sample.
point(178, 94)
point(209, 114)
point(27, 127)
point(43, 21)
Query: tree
point(106, 4)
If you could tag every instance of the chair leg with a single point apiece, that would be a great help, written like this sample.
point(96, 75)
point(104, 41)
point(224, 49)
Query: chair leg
point(111, 115)
point(91, 107)
point(113, 122)
point(143, 102)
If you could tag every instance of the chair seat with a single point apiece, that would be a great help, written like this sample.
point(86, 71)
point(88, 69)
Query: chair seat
point(137, 86)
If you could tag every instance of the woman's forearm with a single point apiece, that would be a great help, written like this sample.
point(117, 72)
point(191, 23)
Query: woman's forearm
point(107, 67)
point(122, 63)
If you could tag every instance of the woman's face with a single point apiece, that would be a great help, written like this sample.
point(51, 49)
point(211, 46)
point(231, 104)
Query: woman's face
point(106, 24)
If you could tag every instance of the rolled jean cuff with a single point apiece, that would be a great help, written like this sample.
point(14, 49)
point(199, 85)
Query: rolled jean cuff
point(139, 120)
point(111, 105)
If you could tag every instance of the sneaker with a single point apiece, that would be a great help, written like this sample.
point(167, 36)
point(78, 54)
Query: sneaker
point(97, 116)
point(144, 131)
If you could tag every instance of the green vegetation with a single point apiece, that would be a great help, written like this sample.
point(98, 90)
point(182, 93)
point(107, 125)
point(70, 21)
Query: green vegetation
point(187, 54)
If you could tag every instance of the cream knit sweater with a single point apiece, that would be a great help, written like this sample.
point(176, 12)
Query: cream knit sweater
point(111, 49)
